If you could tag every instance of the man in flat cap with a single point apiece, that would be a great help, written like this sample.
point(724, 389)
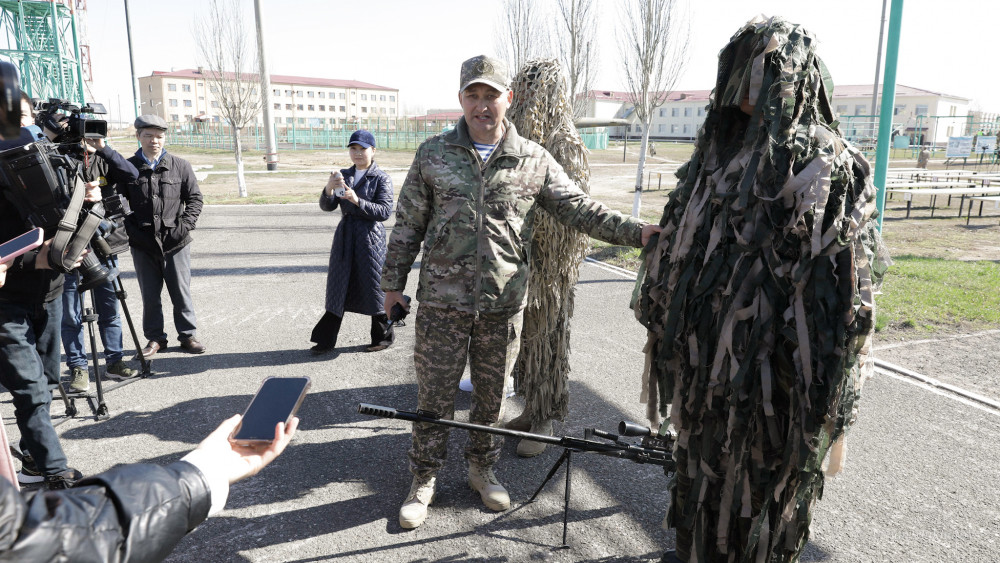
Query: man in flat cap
point(166, 202)
point(468, 202)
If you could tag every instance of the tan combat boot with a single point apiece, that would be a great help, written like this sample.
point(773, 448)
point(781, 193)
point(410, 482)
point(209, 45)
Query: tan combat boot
point(531, 448)
point(522, 423)
point(483, 481)
point(414, 509)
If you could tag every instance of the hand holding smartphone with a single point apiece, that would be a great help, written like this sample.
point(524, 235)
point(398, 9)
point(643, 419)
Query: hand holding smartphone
point(277, 400)
point(20, 244)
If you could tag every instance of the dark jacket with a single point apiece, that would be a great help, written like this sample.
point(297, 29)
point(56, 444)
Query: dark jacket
point(133, 513)
point(165, 205)
point(358, 252)
point(111, 170)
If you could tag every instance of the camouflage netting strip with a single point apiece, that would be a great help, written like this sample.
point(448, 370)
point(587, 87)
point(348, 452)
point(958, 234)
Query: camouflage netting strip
point(759, 301)
point(542, 112)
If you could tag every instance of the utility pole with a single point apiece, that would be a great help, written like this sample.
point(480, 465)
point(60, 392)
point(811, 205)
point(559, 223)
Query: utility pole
point(878, 61)
point(131, 62)
point(265, 91)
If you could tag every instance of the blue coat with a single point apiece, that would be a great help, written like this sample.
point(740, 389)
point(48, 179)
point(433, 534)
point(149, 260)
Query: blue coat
point(358, 252)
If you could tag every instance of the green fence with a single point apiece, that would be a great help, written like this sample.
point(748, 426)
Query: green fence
point(915, 133)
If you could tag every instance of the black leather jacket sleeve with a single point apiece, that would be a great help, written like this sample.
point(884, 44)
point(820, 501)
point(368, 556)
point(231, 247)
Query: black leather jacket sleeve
point(136, 513)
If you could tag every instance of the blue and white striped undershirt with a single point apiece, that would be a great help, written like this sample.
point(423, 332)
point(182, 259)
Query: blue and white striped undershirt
point(484, 150)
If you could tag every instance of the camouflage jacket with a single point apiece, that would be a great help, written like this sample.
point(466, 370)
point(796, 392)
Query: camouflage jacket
point(473, 220)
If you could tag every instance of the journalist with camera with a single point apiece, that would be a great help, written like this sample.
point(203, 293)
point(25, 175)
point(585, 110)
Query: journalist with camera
point(40, 187)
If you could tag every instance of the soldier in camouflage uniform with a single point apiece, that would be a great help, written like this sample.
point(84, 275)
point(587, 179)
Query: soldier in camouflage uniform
point(468, 203)
point(759, 300)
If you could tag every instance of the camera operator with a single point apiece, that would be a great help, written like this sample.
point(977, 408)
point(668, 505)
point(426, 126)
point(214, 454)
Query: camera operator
point(30, 319)
point(103, 168)
point(166, 202)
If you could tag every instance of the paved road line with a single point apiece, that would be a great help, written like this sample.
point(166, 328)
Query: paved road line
point(936, 340)
point(939, 386)
point(938, 391)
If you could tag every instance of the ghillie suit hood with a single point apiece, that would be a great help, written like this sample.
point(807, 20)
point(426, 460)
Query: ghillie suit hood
point(542, 112)
point(759, 301)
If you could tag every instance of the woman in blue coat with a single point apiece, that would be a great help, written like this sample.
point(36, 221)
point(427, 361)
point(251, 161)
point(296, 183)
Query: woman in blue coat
point(364, 194)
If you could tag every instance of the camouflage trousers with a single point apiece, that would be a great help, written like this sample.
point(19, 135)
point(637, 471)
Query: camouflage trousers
point(445, 340)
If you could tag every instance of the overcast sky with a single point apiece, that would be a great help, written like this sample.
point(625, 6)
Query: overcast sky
point(417, 46)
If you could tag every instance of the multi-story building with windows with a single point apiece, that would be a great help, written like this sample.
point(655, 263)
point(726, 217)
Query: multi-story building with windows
point(188, 96)
point(925, 116)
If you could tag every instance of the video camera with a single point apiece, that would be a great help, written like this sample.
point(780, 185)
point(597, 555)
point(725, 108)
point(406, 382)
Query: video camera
point(43, 180)
point(65, 118)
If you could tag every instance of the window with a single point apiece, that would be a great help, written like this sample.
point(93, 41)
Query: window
point(172, 88)
point(860, 109)
point(382, 98)
point(898, 109)
point(186, 87)
point(173, 103)
point(922, 110)
point(277, 106)
point(187, 103)
point(392, 111)
point(150, 86)
point(202, 98)
point(288, 106)
point(364, 109)
point(215, 104)
point(637, 128)
point(675, 112)
point(175, 117)
point(215, 89)
point(321, 94)
point(687, 129)
point(276, 92)
point(312, 107)
point(298, 93)
point(341, 96)
point(662, 128)
point(309, 94)
point(688, 112)
point(364, 97)
point(302, 121)
point(298, 107)
point(322, 108)
point(289, 120)
point(289, 93)
point(342, 108)
point(392, 98)
point(277, 120)
point(842, 109)
point(701, 112)
point(673, 128)
point(663, 112)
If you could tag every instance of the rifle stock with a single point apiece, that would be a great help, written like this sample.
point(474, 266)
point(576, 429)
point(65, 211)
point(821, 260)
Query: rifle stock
point(653, 449)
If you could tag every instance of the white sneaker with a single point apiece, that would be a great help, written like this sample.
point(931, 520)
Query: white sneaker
point(414, 509)
point(483, 481)
point(531, 448)
point(465, 385)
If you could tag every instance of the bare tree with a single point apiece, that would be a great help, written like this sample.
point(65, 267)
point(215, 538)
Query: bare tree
point(229, 53)
point(577, 25)
point(652, 40)
point(519, 34)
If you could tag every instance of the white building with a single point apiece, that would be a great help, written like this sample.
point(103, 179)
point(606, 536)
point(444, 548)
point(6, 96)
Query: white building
point(923, 115)
point(188, 95)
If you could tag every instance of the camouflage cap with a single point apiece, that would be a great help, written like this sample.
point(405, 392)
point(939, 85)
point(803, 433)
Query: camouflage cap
point(484, 70)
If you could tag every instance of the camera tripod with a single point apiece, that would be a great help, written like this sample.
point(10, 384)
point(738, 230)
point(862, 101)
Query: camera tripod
point(89, 315)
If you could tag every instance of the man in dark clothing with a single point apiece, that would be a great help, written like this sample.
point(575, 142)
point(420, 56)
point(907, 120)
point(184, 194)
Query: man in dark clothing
point(165, 203)
point(30, 318)
point(106, 169)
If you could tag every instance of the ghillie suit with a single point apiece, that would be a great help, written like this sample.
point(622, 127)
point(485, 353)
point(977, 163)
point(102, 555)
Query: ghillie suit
point(542, 113)
point(759, 302)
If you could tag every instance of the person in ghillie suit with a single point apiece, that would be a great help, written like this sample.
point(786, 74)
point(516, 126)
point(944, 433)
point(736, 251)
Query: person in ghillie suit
point(759, 300)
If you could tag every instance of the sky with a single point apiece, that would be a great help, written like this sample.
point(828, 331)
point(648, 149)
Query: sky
point(418, 46)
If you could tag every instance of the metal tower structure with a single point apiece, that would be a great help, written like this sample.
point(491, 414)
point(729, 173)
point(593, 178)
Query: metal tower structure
point(41, 38)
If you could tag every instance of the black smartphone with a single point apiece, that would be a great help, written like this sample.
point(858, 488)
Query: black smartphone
point(276, 401)
point(20, 244)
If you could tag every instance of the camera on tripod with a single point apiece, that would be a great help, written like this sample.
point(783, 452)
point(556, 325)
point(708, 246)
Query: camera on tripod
point(44, 181)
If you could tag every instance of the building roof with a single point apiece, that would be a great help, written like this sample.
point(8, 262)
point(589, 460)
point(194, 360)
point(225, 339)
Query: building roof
point(283, 79)
point(865, 90)
point(839, 91)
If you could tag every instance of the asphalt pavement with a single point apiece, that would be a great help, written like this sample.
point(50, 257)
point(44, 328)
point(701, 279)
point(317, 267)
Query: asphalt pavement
point(921, 482)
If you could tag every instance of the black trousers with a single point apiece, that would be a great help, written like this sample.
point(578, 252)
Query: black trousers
point(326, 330)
